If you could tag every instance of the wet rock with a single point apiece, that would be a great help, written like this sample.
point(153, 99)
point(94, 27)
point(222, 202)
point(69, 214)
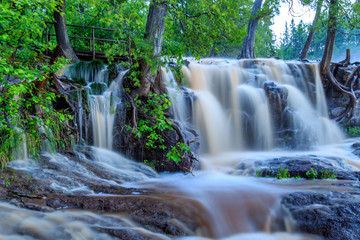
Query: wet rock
point(37, 207)
point(277, 97)
point(342, 74)
point(88, 171)
point(300, 165)
point(333, 215)
point(167, 217)
point(172, 217)
point(356, 147)
point(135, 148)
point(123, 233)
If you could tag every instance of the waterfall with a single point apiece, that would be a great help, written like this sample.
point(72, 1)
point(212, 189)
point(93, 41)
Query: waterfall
point(21, 151)
point(103, 100)
point(102, 109)
point(257, 104)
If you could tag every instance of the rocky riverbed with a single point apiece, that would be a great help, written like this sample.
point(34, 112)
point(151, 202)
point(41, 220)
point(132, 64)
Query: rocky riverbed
point(95, 196)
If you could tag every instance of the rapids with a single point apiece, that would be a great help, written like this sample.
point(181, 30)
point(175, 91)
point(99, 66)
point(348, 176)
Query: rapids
point(246, 112)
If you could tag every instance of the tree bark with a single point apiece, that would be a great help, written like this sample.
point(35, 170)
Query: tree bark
point(247, 50)
point(326, 61)
point(146, 68)
point(330, 38)
point(62, 36)
point(151, 81)
point(310, 37)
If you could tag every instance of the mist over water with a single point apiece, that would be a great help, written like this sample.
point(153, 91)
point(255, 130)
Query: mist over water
point(246, 111)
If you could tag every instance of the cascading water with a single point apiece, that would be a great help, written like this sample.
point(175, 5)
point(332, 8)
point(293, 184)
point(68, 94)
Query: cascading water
point(237, 106)
point(235, 100)
point(103, 101)
point(102, 109)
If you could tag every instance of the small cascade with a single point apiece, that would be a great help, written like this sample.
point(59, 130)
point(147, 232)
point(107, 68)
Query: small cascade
point(93, 71)
point(102, 109)
point(321, 105)
point(21, 152)
point(255, 104)
point(79, 118)
point(103, 100)
point(256, 116)
point(180, 97)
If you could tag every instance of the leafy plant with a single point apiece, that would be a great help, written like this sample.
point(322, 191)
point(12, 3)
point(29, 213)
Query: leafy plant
point(312, 174)
point(154, 107)
point(150, 163)
point(283, 173)
point(327, 174)
point(177, 152)
point(353, 131)
point(26, 102)
point(153, 125)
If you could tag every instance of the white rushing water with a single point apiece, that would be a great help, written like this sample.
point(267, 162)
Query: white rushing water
point(232, 110)
point(103, 100)
point(103, 109)
point(239, 124)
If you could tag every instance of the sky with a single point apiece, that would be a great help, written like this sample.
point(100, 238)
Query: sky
point(301, 13)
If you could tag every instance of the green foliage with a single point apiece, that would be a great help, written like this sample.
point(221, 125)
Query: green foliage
point(264, 41)
point(352, 131)
point(152, 164)
point(26, 112)
point(79, 81)
point(283, 173)
point(153, 107)
point(348, 23)
point(198, 27)
point(312, 174)
point(177, 152)
point(153, 125)
point(327, 174)
point(293, 40)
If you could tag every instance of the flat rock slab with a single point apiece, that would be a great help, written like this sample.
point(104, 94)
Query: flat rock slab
point(333, 215)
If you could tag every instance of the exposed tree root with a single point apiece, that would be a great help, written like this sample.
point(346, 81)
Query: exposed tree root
point(347, 89)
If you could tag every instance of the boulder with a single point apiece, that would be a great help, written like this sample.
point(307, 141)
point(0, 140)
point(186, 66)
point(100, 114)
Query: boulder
point(333, 215)
point(298, 167)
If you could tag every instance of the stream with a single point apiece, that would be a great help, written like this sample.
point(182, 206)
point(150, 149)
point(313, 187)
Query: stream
point(253, 116)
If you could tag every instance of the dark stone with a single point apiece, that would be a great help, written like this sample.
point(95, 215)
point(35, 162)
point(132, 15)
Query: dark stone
point(356, 147)
point(123, 233)
point(277, 96)
point(298, 166)
point(152, 212)
point(157, 213)
point(342, 74)
point(333, 215)
point(337, 101)
point(135, 147)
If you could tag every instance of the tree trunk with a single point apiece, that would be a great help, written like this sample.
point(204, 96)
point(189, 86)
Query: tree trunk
point(309, 39)
point(146, 68)
point(150, 81)
point(62, 36)
point(330, 38)
point(247, 50)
